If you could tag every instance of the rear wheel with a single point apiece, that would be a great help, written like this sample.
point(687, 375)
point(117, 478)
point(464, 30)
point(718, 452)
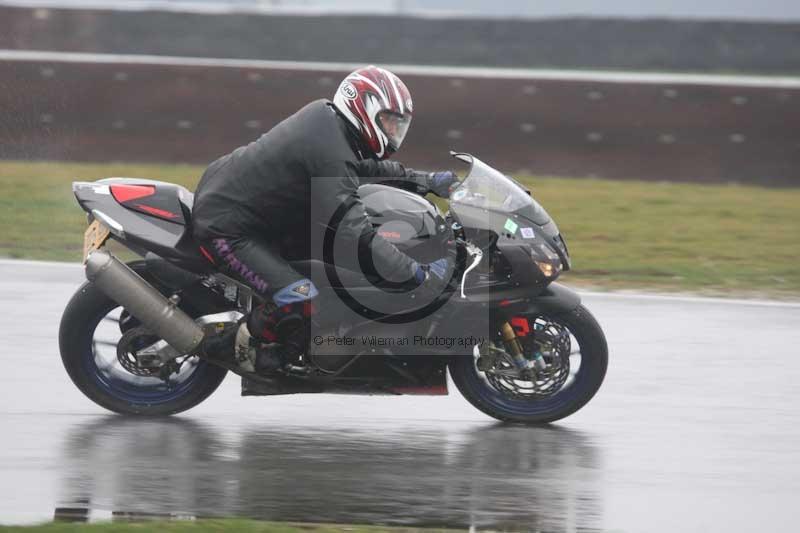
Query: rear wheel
point(92, 327)
point(573, 348)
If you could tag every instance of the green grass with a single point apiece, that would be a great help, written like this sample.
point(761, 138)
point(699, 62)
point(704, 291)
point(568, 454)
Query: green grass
point(718, 239)
point(206, 526)
point(701, 238)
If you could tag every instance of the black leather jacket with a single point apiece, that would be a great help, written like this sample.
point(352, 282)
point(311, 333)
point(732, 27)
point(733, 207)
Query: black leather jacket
point(294, 178)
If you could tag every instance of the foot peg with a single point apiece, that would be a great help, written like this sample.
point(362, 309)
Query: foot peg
point(268, 358)
point(245, 352)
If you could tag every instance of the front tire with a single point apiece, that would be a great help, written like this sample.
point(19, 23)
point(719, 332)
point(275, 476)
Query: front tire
point(111, 388)
point(593, 364)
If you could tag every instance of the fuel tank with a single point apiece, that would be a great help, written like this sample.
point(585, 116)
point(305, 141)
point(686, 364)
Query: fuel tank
point(410, 222)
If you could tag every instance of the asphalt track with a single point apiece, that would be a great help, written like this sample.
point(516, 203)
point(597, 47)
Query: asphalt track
point(696, 429)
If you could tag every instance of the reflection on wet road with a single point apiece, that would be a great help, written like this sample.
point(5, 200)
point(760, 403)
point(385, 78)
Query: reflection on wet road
point(489, 475)
point(696, 429)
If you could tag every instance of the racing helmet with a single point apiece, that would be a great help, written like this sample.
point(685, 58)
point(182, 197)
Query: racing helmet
point(378, 106)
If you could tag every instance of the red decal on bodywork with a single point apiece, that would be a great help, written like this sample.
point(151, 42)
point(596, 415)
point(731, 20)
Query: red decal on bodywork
point(156, 211)
point(435, 390)
point(521, 326)
point(126, 193)
point(389, 234)
point(207, 255)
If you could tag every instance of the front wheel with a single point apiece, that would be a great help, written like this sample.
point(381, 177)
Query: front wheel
point(576, 357)
point(91, 329)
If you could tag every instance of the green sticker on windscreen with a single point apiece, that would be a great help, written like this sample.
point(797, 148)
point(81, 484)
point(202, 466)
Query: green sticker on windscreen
point(511, 226)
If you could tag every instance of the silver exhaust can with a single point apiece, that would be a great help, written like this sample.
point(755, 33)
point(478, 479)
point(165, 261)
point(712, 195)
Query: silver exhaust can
point(143, 301)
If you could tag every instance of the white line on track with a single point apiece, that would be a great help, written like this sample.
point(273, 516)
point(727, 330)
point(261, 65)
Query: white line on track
point(782, 82)
point(689, 299)
point(222, 7)
point(592, 294)
point(27, 262)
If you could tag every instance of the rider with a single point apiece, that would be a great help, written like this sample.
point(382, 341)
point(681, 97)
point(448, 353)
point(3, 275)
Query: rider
point(250, 203)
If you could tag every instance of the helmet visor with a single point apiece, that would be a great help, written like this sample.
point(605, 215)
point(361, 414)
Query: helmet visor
point(394, 126)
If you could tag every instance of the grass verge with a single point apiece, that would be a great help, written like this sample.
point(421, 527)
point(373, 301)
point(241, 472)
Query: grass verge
point(713, 239)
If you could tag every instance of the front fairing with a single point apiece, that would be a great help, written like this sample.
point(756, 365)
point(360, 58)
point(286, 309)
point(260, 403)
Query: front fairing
point(499, 214)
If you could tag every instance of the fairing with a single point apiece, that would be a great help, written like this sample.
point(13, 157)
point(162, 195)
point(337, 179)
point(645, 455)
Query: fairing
point(495, 210)
point(140, 220)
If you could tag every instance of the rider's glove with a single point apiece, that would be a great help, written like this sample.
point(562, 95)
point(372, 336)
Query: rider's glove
point(437, 268)
point(431, 280)
point(440, 183)
point(390, 169)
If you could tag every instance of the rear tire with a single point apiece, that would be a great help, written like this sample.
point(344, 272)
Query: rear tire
point(78, 324)
point(594, 362)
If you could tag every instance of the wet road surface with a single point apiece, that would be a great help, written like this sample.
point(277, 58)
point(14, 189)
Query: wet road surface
point(697, 428)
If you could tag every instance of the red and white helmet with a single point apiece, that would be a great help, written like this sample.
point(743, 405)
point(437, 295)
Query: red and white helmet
point(377, 103)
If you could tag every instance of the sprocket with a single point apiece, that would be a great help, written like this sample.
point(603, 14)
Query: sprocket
point(132, 341)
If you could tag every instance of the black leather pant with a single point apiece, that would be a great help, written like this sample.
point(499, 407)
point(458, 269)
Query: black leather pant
point(256, 263)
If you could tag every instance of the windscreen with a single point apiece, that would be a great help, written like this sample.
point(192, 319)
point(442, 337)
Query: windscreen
point(487, 188)
point(490, 189)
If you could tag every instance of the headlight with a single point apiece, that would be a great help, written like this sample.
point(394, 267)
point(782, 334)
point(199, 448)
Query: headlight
point(548, 269)
point(546, 260)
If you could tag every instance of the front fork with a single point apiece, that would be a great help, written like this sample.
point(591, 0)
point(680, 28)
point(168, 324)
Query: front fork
point(514, 347)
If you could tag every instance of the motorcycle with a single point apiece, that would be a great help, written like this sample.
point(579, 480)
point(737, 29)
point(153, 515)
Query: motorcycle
point(519, 346)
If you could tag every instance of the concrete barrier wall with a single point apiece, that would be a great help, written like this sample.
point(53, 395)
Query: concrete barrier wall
point(572, 124)
point(626, 44)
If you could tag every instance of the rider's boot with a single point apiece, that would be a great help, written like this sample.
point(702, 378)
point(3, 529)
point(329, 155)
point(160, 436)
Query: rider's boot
point(260, 354)
point(277, 335)
point(220, 347)
point(272, 338)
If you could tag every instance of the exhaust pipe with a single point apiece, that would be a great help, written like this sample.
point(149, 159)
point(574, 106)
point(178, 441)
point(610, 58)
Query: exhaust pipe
point(144, 302)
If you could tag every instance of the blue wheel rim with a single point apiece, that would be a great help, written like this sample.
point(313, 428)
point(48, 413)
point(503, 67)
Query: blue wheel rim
point(527, 407)
point(100, 363)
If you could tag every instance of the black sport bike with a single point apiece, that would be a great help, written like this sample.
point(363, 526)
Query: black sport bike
point(519, 347)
